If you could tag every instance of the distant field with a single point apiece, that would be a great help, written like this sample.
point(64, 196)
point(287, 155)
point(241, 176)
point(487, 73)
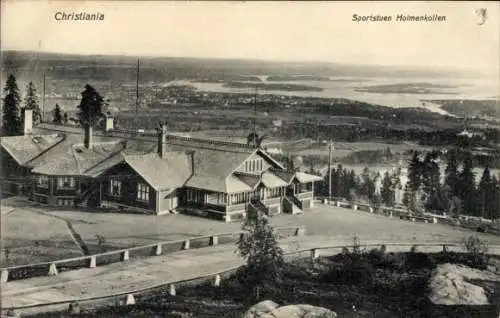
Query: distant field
point(25, 226)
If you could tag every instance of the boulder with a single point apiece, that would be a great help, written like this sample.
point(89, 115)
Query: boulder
point(269, 309)
point(260, 309)
point(452, 284)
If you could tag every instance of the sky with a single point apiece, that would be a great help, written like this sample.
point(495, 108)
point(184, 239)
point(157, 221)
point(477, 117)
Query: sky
point(291, 31)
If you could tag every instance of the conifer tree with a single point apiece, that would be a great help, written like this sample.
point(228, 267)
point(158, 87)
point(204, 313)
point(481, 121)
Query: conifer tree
point(466, 185)
point(451, 174)
point(387, 192)
point(485, 195)
point(57, 115)
point(31, 102)
point(11, 119)
point(90, 110)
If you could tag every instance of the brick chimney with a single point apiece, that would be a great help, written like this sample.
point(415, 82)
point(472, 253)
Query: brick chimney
point(28, 121)
point(87, 136)
point(162, 140)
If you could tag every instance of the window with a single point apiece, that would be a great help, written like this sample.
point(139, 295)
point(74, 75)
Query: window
point(42, 181)
point(115, 188)
point(65, 202)
point(142, 192)
point(66, 182)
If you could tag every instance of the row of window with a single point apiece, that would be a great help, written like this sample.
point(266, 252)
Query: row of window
point(62, 182)
point(115, 189)
point(253, 165)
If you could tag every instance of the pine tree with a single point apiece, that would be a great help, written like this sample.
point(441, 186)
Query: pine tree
point(11, 125)
point(415, 173)
point(431, 182)
point(466, 186)
point(31, 102)
point(57, 115)
point(264, 257)
point(387, 192)
point(451, 174)
point(90, 110)
point(485, 195)
point(495, 201)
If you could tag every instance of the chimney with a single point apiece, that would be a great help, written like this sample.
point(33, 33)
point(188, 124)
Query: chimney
point(109, 125)
point(162, 139)
point(28, 121)
point(87, 137)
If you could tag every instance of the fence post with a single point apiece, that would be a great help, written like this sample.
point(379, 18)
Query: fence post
point(4, 276)
point(185, 245)
point(53, 270)
point(171, 290)
point(157, 250)
point(300, 231)
point(92, 261)
point(217, 280)
point(124, 256)
point(214, 240)
point(130, 300)
point(314, 254)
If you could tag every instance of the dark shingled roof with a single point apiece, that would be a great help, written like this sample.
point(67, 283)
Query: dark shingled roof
point(75, 159)
point(26, 148)
point(171, 171)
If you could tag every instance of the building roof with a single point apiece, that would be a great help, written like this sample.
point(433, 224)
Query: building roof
point(270, 180)
point(230, 184)
point(171, 171)
point(303, 177)
point(25, 148)
point(74, 159)
point(252, 180)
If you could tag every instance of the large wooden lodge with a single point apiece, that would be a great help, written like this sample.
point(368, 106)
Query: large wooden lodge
point(219, 179)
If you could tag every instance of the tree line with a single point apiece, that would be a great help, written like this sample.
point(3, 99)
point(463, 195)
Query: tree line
point(347, 184)
point(458, 192)
point(89, 111)
point(455, 193)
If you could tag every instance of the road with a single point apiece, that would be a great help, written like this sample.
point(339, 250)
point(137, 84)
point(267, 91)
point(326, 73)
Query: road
point(134, 275)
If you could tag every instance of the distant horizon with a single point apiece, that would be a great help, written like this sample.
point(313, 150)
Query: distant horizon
point(261, 60)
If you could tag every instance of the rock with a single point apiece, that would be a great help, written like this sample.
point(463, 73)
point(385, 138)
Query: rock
point(269, 309)
point(450, 284)
point(261, 308)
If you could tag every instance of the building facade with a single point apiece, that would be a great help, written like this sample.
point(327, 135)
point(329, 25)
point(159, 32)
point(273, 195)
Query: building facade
point(217, 179)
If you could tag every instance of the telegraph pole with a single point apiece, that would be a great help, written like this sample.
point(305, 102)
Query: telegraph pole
point(330, 172)
point(43, 99)
point(137, 90)
point(255, 117)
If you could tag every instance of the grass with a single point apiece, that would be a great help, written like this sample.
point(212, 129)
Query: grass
point(24, 226)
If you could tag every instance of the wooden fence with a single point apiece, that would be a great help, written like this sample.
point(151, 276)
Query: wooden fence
point(130, 297)
point(89, 261)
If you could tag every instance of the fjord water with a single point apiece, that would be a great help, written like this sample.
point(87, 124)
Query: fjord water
point(345, 87)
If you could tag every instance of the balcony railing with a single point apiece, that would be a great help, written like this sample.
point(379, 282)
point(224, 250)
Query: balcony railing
point(304, 195)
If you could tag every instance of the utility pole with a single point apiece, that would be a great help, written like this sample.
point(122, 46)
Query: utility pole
point(43, 98)
point(255, 117)
point(330, 172)
point(137, 90)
